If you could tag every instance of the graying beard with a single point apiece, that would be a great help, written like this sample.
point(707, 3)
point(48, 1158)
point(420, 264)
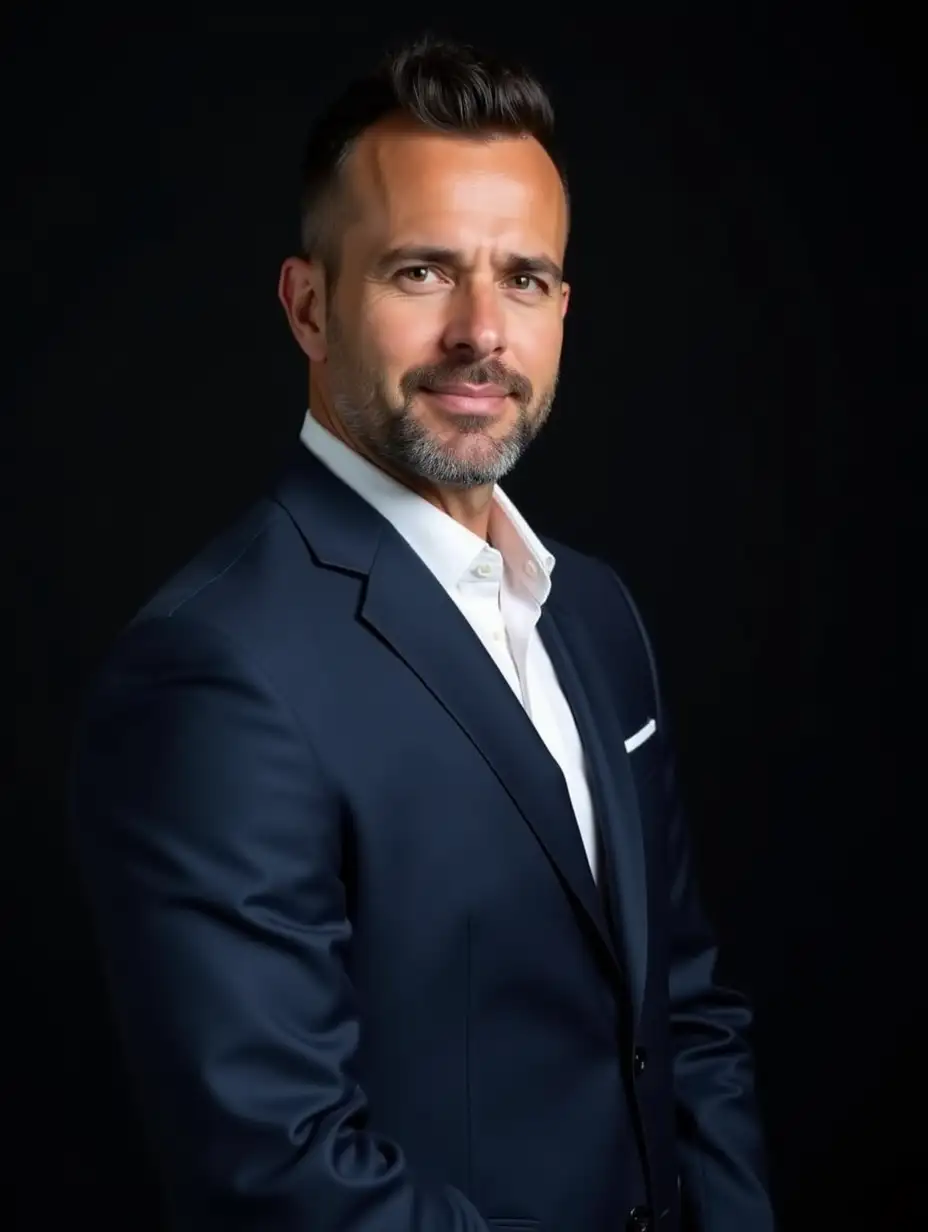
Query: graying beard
point(417, 452)
point(410, 448)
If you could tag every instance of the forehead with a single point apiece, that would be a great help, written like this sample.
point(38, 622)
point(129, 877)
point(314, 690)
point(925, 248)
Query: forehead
point(410, 184)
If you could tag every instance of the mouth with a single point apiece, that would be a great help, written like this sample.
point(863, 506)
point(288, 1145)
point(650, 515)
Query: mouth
point(461, 399)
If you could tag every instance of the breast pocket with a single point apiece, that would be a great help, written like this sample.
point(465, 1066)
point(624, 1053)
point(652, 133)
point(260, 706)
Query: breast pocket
point(644, 733)
point(644, 751)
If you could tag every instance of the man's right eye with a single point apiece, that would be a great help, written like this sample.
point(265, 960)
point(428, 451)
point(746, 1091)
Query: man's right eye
point(415, 273)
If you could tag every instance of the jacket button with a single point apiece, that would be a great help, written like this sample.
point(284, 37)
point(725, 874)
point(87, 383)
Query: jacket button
point(639, 1219)
point(641, 1060)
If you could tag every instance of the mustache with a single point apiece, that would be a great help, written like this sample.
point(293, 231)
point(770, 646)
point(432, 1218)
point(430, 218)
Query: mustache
point(483, 372)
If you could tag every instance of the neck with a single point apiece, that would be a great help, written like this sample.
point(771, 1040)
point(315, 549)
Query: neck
point(468, 506)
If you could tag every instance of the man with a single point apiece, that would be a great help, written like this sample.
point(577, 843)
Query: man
point(375, 807)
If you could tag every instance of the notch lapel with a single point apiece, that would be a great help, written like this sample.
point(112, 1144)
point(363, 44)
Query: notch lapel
point(409, 609)
point(405, 605)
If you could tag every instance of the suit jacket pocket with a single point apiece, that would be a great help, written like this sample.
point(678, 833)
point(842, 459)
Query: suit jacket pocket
point(515, 1225)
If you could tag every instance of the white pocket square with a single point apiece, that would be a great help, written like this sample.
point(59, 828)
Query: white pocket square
point(640, 736)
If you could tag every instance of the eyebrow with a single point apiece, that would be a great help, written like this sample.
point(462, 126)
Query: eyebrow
point(511, 262)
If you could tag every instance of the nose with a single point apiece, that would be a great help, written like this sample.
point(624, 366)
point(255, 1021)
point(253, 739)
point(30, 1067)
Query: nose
point(476, 326)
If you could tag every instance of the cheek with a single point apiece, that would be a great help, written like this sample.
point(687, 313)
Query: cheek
point(403, 333)
point(536, 346)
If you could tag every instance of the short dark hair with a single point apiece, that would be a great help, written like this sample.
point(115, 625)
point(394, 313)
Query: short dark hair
point(445, 86)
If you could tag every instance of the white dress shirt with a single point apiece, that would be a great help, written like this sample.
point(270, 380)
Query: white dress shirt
point(500, 589)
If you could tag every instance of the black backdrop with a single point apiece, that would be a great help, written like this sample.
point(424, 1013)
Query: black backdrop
point(734, 432)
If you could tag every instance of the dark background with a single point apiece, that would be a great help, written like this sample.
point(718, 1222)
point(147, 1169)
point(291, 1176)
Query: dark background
point(735, 433)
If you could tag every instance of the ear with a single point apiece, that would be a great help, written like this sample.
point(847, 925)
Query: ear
point(301, 291)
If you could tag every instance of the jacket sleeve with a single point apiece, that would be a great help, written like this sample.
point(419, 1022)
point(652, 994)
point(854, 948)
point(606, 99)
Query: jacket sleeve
point(209, 844)
point(719, 1138)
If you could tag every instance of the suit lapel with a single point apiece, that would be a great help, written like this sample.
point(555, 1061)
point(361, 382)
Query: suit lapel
point(406, 607)
point(409, 609)
point(611, 785)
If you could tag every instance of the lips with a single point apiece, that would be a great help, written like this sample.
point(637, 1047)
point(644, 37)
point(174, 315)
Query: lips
point(456, 398)
point(463, 390)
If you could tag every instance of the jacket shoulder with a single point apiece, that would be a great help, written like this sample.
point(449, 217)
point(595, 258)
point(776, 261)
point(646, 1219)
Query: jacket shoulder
point(230, 569)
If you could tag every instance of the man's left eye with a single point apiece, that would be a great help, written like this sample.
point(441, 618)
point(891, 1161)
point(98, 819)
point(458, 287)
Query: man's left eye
point(528, 282)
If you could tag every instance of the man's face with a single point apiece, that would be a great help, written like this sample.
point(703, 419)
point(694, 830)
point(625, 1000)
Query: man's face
point(443, 331)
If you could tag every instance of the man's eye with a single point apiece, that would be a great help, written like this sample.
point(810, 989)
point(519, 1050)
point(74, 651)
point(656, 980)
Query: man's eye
point(528, 282)
point(415, 273)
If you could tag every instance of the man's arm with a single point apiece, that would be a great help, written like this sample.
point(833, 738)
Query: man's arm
point(719, 1138)
point(210, 847)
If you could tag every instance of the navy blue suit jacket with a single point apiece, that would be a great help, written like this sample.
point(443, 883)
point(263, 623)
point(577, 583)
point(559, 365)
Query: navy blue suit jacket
point(364, 977)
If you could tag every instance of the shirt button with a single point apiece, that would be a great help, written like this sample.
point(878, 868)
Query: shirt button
point(483, 569)
point(531, 568)
point(498, 635)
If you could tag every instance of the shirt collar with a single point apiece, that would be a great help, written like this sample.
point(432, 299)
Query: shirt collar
point(447, 548)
